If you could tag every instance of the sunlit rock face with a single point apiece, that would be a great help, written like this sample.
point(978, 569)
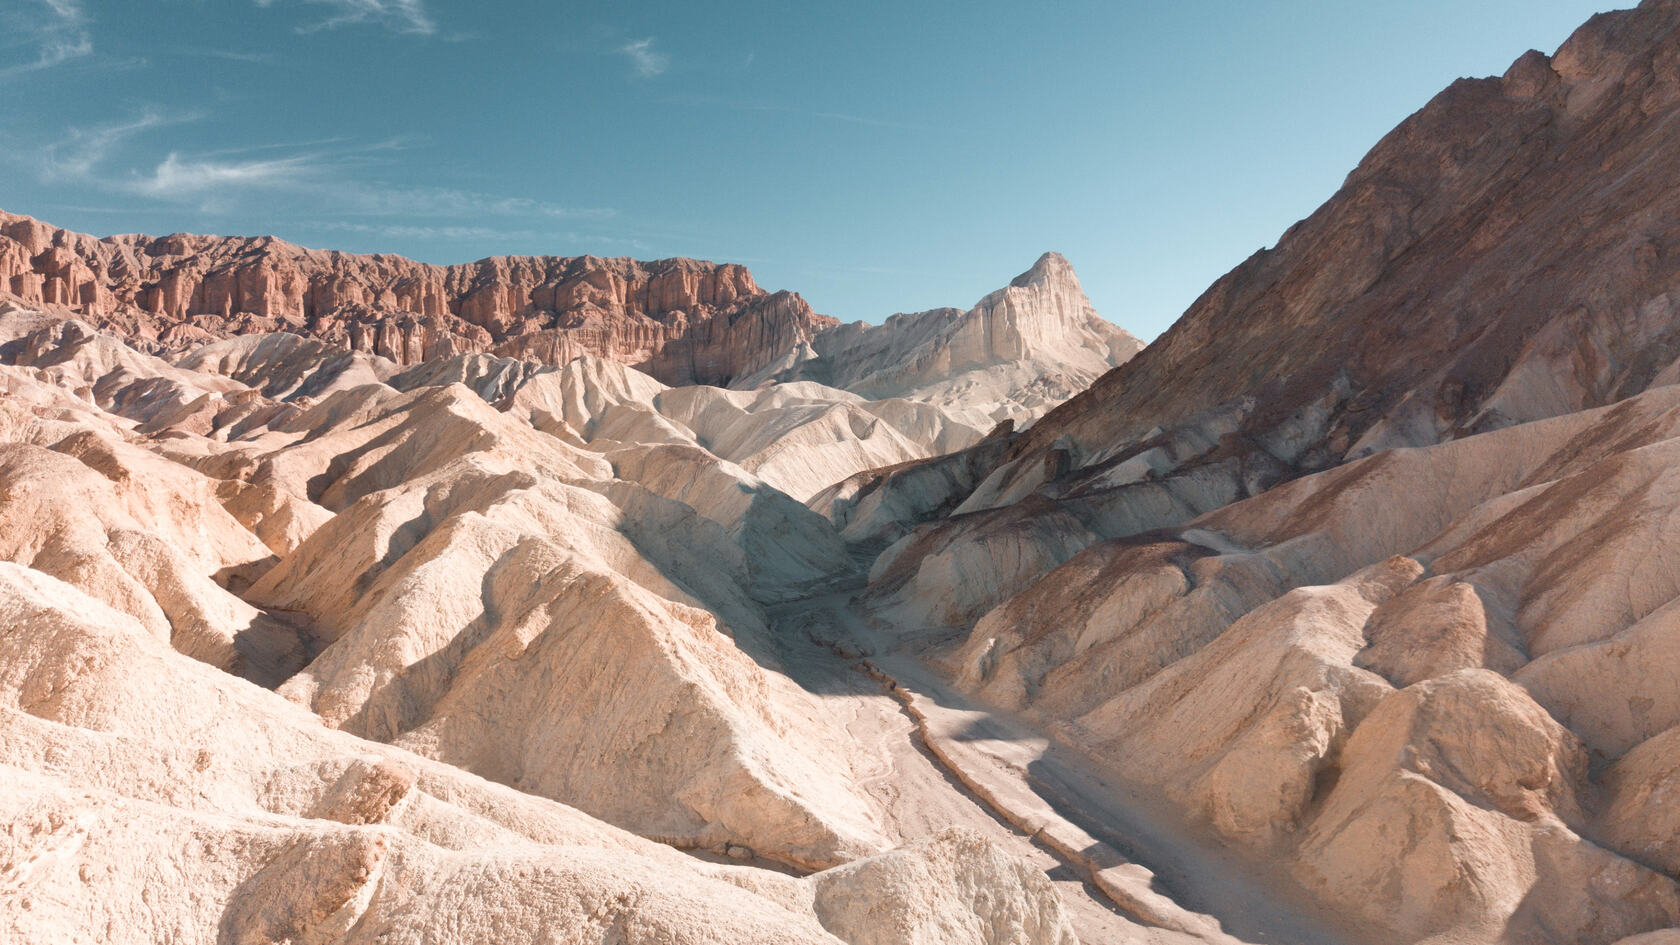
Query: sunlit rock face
point(150, 796)
point(463, 650)
point(683, 320)
point(344, 599)
point(1362, 567)
point(1018, 352)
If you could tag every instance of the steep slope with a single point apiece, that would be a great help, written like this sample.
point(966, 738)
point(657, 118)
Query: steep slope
point(1363, 569)
point(1462, 608)
point(1505, 254)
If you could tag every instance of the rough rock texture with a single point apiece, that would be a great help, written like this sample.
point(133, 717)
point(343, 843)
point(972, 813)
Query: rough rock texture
point(1364, 569)
point(292, 322)
point(1507, 253)
point(853, 900)
point(1018, 352)
point(798, 437)
point(1364, 579)
point(432, 586)
point(682, 320)
point(1430, 679)
point(256, 823)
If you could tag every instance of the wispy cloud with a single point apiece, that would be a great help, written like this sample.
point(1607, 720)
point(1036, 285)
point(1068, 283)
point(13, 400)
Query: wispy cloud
point(83, 150)
point(229, 55)
point(330, 174)
point(647, 61)
point(383, 200)
point(96, 155)
point(413, 231)
point(401, 16)
point(186, 177)
point(44, 33)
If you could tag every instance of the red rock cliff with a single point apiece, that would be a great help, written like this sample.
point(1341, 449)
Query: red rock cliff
point(682, 320)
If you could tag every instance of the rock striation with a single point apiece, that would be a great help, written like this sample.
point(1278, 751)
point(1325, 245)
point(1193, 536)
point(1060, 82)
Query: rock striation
point(151, 797)
point(1508, 253)
point(1348, 612)
point(1359, 570)
point(1019, 352)
point(682, 320)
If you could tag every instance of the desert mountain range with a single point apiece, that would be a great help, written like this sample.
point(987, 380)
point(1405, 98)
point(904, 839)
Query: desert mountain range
point(346, 598)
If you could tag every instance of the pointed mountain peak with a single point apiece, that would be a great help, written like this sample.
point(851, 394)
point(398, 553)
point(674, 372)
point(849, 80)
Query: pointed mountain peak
point(1051, 267)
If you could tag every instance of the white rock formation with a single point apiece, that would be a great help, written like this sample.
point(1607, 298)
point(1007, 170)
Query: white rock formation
point(1018, 352)
point(150, 797)
point(798, 437)
point(554, 597)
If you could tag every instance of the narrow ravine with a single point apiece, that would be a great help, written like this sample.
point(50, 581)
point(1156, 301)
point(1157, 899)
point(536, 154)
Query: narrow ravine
point(1117, 854)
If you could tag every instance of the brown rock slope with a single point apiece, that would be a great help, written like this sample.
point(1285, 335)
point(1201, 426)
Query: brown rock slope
point(1365, 568)
point(1507, 253)
point(681, 320)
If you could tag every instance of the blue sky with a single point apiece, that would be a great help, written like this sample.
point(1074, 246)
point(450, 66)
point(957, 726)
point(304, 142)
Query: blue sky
point(875, 156)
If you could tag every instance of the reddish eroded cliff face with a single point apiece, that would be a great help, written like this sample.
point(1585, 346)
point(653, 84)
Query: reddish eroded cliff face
point(682, 320)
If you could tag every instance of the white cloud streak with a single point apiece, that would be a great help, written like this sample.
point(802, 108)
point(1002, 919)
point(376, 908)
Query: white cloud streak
point(644, 59)
point(67, 10)
point(83, 150)
point(326, 174)
point(383, 200)
point(399, 16)
point(48, 33)
point(178, 177)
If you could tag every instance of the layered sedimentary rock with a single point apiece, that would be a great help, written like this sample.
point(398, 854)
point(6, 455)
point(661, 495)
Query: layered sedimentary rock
point(682, 320)
point(1362, 581)
point(1016, 354)
point(1507, 253)
point(1361, 569)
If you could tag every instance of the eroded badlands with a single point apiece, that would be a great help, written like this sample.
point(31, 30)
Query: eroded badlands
point(348, 599)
